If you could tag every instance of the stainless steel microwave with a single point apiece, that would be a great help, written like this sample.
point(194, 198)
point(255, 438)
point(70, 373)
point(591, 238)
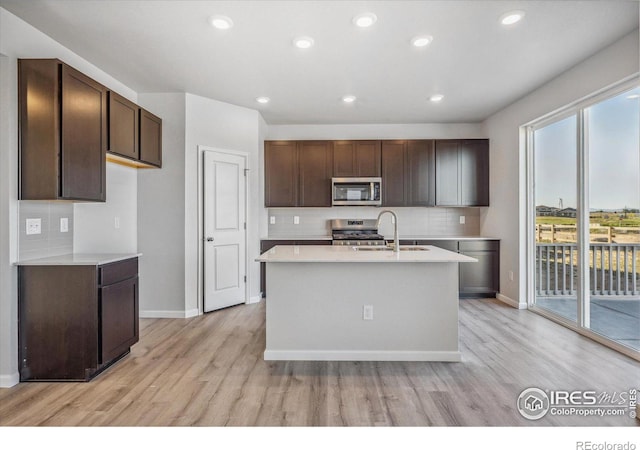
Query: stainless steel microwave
point(365, 191)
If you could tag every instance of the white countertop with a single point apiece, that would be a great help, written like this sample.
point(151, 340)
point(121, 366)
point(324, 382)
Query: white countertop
point(78, 259)
point(341, 254)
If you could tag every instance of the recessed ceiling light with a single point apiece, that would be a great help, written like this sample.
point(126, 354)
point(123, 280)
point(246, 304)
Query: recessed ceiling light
point(364, 20)
point(511, 17)
point(263, 100)
point(421, 41)
point(349, 98)
point(220, 22)
point(632, 96)
point(435, 98)
point(303, 42)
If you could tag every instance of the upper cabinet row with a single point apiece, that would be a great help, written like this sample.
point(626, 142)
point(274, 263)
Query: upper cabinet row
point(69, 125)
point(453, 172)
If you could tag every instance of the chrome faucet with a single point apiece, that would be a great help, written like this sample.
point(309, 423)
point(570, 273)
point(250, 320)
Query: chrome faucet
point(396, 241)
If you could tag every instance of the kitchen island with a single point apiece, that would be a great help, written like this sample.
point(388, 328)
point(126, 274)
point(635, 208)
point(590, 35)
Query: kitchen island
point(331, 303)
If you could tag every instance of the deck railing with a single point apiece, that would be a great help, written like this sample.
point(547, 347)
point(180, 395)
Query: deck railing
point(614, 269)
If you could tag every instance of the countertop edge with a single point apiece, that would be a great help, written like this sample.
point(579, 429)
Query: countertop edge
point(78, 259)
point(409, 237)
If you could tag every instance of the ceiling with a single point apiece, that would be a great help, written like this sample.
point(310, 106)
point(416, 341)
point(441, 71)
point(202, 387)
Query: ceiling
point(479, 65)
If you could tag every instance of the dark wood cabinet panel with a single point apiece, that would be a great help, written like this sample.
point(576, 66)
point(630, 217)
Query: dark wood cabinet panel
point(70, 326)
point(462, 172)
point(118, 318)
point(421, 173)
point(356, 159)
point(474, 172)
point(394, 189)
point(447, 173)
point(150, 138)
point(63, 132)
point(315, 170)
point(84, 136)
point(123, 126)
point(281, 173)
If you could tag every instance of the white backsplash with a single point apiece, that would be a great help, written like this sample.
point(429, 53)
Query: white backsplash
point(411, 221)
point(51, 241)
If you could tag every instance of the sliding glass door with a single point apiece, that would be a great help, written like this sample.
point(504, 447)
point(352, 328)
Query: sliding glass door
point(614, 216)
point(585, 187)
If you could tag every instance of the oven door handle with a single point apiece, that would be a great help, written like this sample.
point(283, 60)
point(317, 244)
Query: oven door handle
point(372, 191)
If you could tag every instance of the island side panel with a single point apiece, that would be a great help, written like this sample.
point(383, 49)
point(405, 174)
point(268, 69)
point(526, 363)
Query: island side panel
point(315, 311)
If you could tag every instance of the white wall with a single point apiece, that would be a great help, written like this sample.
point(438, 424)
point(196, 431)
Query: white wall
point(506, 216)
point(20, 40)
point(161, 214)
point(220, 125)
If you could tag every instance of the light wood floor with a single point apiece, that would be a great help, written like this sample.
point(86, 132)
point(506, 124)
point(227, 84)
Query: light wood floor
point(209, 371)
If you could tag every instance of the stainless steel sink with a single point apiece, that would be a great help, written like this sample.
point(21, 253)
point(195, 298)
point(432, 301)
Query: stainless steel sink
point(388, 249)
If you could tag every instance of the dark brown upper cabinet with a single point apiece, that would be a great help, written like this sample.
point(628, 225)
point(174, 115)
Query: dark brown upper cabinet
point(462, 172)
point(315, 164)
point(298, 173)
point(135, 135)
point(281, 173)
point(63, 132)
point(356, 159)
point(123, 126)
point(150, 138)
point(408, 173)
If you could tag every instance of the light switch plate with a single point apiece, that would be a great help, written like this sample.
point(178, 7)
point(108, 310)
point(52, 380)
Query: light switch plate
point(272, 220)
point(116, 222)
point(462, 220)
point(64, 225)
point(296, 220)
point(34, 226)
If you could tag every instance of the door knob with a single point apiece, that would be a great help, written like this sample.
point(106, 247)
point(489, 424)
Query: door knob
point(209, 239)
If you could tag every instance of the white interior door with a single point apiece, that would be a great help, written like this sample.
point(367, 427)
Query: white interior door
point(224, 230)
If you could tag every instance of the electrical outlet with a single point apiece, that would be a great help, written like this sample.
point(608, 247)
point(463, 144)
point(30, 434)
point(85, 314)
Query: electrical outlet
point(296, 220)
point(34, 226)
point(462, 220)
point(272, 220)
point(367, 312)
point(116, 222)
point(511, 275)
point(64, 225)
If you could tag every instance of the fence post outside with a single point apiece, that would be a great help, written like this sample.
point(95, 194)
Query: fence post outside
point(609, 234)
point(553, 233)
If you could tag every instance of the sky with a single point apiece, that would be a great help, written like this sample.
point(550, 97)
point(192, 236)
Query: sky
point(614, 156)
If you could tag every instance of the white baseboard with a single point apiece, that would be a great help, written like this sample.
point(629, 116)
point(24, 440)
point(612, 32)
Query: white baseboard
point(7, 381)
point(365, 355)
point(511, 302)
point(254, 299)
point(163, 314)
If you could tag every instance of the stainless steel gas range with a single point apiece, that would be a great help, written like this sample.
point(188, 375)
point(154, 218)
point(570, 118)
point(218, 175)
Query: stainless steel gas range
point(356, 232)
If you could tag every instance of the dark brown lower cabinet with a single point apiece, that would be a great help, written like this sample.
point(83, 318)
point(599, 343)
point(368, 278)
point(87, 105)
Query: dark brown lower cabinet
point(479, 279)
point(76, 320)
point(268, 244)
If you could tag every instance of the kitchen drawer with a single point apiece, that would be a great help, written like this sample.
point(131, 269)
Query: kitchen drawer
point(444, 244)
point(118, 271)
point(474, 246)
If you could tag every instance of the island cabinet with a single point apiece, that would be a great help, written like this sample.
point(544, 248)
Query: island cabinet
point(408, 177)
point(75, 320)
point(135, 135)
point(63, 132)
point(480, 279)
point(298, 173)
point(356, 159)
point(268, 244)
point(462, 172)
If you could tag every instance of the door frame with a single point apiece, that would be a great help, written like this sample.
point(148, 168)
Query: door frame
point(201, 239)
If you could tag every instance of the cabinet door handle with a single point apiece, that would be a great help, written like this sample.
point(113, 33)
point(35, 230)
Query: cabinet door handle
point(209, 239)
